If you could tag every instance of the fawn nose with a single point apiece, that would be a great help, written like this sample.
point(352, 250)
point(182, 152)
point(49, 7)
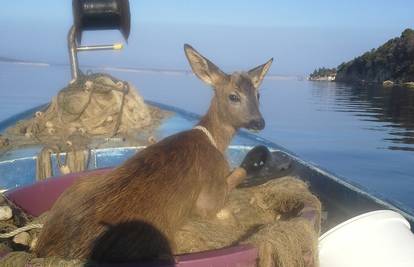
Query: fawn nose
point(256, 124)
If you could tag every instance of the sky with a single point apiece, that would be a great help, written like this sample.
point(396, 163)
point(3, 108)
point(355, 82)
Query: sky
point(299, 35)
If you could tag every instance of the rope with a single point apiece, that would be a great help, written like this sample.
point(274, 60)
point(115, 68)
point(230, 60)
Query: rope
point(207, 133)
point(125, 90)
point(80, 113)
point(22, 229)
point(99, 86)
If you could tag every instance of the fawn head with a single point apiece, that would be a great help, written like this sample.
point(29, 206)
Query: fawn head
point(236, 95)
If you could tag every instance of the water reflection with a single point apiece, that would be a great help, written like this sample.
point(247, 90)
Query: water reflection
point(393, 108)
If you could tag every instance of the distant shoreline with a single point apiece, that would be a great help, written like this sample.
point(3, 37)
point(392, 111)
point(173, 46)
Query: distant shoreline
point(390, 64)
point(6, 60)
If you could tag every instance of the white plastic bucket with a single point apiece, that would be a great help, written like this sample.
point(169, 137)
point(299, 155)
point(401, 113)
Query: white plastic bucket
point(379, 238)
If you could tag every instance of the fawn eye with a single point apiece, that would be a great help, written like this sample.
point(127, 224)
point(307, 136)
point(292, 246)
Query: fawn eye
point(234, 98)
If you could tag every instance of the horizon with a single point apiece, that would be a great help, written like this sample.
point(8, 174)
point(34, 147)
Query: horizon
point(300, 36)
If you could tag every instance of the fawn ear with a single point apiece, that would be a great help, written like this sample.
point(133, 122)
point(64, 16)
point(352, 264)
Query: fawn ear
point(257, 74)
point(202, 67)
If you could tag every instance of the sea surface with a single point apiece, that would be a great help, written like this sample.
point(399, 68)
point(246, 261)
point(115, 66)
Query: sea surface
point(364, 134)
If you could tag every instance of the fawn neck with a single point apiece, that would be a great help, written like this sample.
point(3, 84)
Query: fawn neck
point(221, 130)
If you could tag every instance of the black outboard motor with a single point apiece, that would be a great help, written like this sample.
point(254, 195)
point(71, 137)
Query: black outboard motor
point(96, 15)
point(261, 165)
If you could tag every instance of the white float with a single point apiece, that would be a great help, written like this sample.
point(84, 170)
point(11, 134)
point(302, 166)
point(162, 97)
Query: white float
point(380, 238)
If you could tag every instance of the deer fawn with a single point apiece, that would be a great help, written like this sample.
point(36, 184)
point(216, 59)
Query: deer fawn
point(158, 188)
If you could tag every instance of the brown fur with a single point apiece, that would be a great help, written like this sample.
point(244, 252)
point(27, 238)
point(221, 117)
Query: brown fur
point(156, 189)
point(175, 166)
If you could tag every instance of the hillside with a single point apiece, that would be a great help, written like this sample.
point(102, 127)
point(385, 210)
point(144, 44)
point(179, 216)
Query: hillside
point(393, 61)
point(323, 74)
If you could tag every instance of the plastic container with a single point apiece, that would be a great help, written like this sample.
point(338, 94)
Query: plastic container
point(380, 238)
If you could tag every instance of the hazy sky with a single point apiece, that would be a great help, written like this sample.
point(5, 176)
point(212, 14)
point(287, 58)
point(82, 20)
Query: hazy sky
point(300, 35)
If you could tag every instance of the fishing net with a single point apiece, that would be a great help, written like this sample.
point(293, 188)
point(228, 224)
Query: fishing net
point(274, 217)
point(95, 109)
point(281, 218)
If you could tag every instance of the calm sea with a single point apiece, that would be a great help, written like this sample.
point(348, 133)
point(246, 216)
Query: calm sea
point(363, 134)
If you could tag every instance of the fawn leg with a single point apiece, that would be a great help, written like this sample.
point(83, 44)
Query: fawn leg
point(213, 195)
point(235, 178)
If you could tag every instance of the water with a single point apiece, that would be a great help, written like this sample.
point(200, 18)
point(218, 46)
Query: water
point(363, 134)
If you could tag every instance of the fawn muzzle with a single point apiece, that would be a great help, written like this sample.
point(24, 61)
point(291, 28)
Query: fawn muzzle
point(256, 124)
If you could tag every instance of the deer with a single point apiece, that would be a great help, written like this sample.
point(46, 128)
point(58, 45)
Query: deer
point(162, 185)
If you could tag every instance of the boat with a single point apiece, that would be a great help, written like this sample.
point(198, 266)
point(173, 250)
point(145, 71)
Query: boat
point(348, 208)
point(342, 201)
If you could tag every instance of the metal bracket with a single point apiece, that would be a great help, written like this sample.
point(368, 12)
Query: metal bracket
point(74, 49)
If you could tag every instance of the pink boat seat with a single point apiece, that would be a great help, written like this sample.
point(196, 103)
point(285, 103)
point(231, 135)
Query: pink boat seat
point(39, 197)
